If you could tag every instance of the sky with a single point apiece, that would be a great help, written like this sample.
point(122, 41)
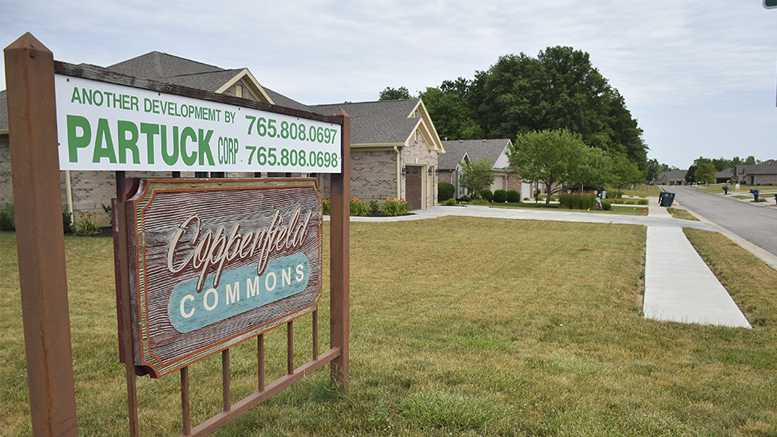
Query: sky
point(700, 77)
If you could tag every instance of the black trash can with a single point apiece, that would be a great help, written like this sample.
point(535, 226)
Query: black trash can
point(725, 189)
point(755, 194)
point(667, 199)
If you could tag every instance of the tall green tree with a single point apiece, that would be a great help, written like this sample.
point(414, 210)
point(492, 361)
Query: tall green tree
point(476, 175)
point(549, 156)
point(451, 115)
point(625, 172)
point(395, 94)
point(559, 89)
point(593, 170)
point(705, 173)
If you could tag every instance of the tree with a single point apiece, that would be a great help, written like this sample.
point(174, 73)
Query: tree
point(476, 175)
point(452, 117)
point(593, 170)
point(690, 175)
point(705, 173)
point(548, 156)
point(560, 89)
point(395, 94)
point(625, 172)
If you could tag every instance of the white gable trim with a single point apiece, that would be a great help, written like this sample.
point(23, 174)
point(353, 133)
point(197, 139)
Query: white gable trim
point(428, 130)
point(251, 84)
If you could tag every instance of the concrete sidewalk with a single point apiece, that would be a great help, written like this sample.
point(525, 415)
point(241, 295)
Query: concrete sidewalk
point(679, 286)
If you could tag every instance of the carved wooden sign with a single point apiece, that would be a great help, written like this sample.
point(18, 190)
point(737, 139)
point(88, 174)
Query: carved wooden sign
point(216, 262)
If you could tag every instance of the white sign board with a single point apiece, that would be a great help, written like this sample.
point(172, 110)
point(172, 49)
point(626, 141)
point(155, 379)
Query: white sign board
point(104, 126)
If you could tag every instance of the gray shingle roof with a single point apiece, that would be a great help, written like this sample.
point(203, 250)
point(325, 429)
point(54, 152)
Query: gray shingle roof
point(384, 121)
point(282, 100)
point(475, 149)
point(766, 167)
point(178, 71)
point(727, 173)
point(673, 175)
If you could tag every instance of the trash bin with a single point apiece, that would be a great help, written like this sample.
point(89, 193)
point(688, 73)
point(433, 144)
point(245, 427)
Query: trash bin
point(775, 199)
point(725, 189)
point(661, 197)
point(667, 199)
point(755, 194)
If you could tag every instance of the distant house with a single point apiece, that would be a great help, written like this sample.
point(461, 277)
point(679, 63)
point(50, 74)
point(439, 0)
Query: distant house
point(495, 150)
point(394, 145)
point(722, 177)
point(759, 174)
point(673, 177)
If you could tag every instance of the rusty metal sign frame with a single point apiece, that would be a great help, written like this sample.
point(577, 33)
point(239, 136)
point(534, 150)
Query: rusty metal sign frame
point(30, 69)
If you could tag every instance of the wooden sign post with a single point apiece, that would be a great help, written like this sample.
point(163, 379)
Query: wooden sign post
point(32, 125)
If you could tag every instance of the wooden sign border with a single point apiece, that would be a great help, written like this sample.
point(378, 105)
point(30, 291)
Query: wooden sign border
point(136, 222)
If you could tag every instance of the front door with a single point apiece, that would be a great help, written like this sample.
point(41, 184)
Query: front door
point(413, 187)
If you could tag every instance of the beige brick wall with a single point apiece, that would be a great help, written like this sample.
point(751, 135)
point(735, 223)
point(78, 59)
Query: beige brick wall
point(417, 153)
point(373, 174)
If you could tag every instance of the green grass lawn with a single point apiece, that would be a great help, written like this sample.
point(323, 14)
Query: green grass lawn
point(642, 191)
point(616, 208)
point(460, 326)
point(681, 214)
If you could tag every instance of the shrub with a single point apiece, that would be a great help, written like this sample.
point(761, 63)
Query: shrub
point(395, 207)
point(67, 220)
point(615, 194)
point(606, 204)
point(374, 207)
point(464, 198)
point(85, 225)
point(480, 202)
point(7, 222)
point(487, 195)
point(578, 200)
point(326, 206)
point(451, 202)
point(513, 196)
point(500, 196)
point(642, 202)
point(358, 207)
point(445, 191)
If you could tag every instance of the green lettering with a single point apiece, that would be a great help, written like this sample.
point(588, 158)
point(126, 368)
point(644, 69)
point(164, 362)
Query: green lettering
point(170, 159)
point(76, 97)
point(188, 133)
point(75, 142)
point(205, 147)
point(150, 130)
point(130, 143)
point(100, 152)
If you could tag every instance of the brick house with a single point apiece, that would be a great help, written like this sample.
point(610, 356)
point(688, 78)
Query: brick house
point(764, 173)
point(495, 150)
point(395, 147)
point(673, 177)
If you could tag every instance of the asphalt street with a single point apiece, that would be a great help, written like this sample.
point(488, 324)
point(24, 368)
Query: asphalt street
point(757, 224)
